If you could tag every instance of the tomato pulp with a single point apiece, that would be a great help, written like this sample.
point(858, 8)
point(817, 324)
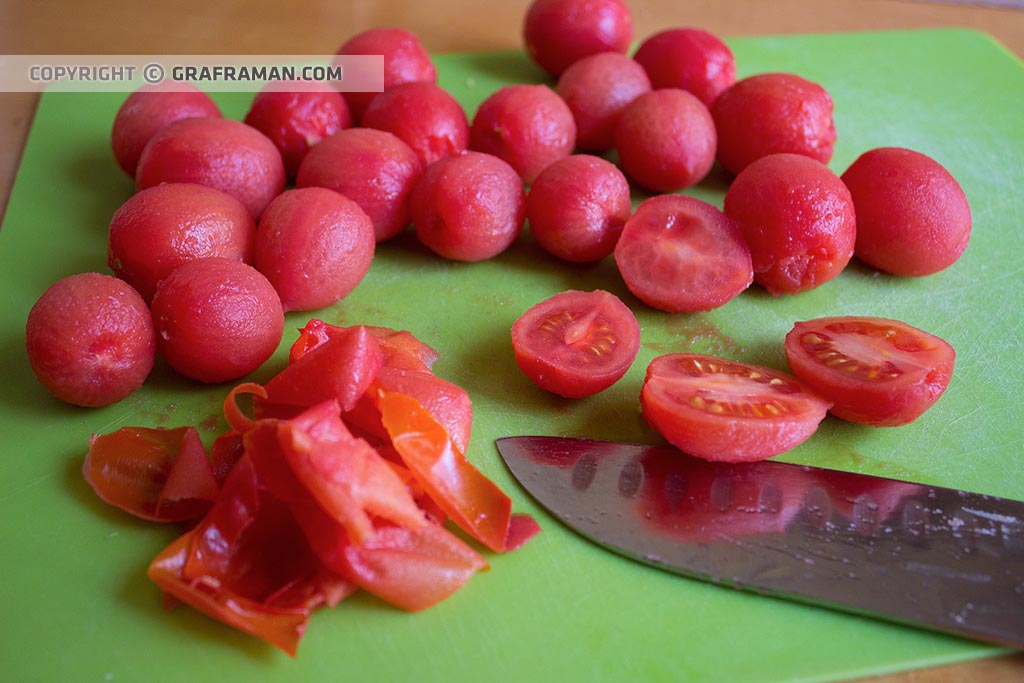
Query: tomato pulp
point(720, 409)
point(576, 344)
point(875, 371)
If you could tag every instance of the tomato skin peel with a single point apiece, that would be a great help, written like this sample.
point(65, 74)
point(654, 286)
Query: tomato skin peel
point(300, 511)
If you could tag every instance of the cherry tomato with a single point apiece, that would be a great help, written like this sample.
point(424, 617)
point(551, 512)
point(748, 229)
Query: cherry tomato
point(223, 154)
point(577, 206)
point(666, 140)
point(216, 319)
point(798, 219)
point(296, 116)
point(371, 167)
point(874, 371)
point(161, 227)
point(576, 344)
point(424, 116)
point(557, 33)
point(90, 339)
point(720, 409)
point(597, 88)
point(529, 126)
point(678, 253)
point(690, 59)
point(912, 216)
point(469, 207)
point(314, 245)
point(149, 109)
point(405, 61)
point(770, 114)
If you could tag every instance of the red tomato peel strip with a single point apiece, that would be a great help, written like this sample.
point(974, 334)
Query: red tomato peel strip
point(237, 420)
point(161, 475)
point(280, 627)
point(347, 477)
point(473, 501)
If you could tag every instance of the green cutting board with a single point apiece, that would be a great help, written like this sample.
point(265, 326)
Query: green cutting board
point(74, 598)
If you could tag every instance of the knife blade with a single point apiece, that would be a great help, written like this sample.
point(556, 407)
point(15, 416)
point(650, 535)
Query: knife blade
point(926, 556)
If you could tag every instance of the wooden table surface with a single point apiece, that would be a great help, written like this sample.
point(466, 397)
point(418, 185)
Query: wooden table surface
point(320, 26)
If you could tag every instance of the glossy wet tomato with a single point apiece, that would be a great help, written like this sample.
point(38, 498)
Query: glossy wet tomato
point(798, 219)
point(149, 109)
point(296, 115)
point(314, 245)
point(216, 319)
point(90, 339)
point(162, 227)
point(468, 207)
point(529, 126)
point(220, 153)
point(912, 215)
point(424, 116)
point(720, 409)
point(688, 58)
point(405, 61)
point(576, 344)
point(597, 88)
point(771, 114)
point(666, 140)
point(557, 33)
point(371, 167)
point(678, 253)
point(577, 207)
point(875, 371)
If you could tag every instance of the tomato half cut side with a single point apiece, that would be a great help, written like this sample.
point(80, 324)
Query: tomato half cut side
point(875, 371)
point(576, 344)
point(720, 409)
point(681, 254)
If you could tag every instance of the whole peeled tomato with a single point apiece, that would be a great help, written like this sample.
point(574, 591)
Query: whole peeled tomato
point(577, 206)
point(666, 140)
point(149, 109)
point(315, 246)
point(224, 154)
point(681, 254)
point(560, 32)
point(216, 319)
point(529, 126)
point(597, 89)
point(913, 217)
point(373, 168)
point(90, 339)
point(405, 61)
point(161, 227)
point(688, 58)
point(424, 116)
point(468, 207)
point(296, 116)
point(798, 219)
point(772, 114)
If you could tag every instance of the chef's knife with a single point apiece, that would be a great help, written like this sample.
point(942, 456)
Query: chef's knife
point(926, 556)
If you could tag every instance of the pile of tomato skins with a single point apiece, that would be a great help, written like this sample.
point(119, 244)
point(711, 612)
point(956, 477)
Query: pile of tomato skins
point(343, 479)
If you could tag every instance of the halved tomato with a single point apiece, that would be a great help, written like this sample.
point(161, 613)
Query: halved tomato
point(576, 344)
point(875, 371)
point(720, 409)
point(678, 254)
